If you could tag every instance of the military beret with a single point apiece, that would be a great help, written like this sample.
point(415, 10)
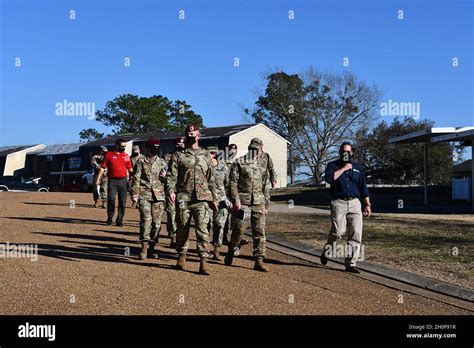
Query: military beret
point(153, 142)
point(191, 128)
point(179, 140)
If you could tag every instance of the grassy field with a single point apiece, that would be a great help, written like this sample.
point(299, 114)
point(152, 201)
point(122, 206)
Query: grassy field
point(437, 246)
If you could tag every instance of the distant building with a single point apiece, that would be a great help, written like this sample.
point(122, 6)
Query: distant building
point(62, 166)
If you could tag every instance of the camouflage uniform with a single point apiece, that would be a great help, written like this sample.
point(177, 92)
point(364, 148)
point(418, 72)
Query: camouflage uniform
point(171, 225)
point(190, 176)
point(268, 169)
point(96, 162)
point(134, 165)
point(222, 185)
point(149, 186)
point(104, 182)
point(247, 182)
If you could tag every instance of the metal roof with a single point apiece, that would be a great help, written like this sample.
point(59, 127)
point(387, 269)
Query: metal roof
point(461, 134)
point(7, 150)
point(207, 132)
point(422, 136)
point(57, 149)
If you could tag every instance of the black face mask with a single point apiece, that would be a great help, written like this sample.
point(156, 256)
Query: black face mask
point(190, 140)
point(345, 156)
point(135, 154)
point(121, 149)
point(155, 151)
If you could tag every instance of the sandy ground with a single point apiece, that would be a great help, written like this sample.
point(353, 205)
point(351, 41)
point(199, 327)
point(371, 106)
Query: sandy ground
point(83, 268)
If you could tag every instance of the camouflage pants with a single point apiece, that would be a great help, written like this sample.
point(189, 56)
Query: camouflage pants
point(199, 212)
point(104, 182)
point(151, 213)
point(171, 225)
point(219, 222)
point(255, 215)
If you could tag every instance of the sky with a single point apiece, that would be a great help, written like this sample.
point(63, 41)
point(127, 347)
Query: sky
point(192, 59)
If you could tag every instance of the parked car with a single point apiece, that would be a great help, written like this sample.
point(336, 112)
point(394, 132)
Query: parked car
point(21, 184)
point(87, 181)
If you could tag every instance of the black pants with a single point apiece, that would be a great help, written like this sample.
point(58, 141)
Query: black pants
point(120, 186)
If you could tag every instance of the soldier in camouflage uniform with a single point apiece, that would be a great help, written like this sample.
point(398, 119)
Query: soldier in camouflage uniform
point(251, 198)
point(148, 187)
point(136, 155)
point(171, 225)
point(190, 186)
point(97, 193)
point(104, 183)
point(266, 163)
point(222, 186)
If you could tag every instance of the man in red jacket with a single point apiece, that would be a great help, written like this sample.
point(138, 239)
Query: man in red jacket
point(118, 164)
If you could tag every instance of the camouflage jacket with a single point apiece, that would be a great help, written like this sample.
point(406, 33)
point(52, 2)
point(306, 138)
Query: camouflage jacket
point(268, 169)
point(247, 182)
point(190, 175)
point(135, 160)
point(147, 181)
point(96, 161)
point(221, 180)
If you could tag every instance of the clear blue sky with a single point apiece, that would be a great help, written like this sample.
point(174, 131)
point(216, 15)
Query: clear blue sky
point(81, 60)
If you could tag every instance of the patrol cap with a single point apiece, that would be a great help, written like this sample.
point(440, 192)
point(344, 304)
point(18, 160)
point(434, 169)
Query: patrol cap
point(179, 140)
point(212, 149)
point(191, 128)
point(255, 143)
point(153, 142)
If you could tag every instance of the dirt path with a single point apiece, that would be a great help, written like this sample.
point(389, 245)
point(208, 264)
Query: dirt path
point(82, 268)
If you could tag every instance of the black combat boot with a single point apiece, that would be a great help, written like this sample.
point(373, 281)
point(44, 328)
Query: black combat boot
point(173, 242)
point(230, 255)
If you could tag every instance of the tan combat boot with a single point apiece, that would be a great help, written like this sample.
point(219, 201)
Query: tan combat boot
point(203, 269)
point(104, 204)
point(181, 261)
point(151, 251)
point(96, 204)
point(259, 266)
point(217, 252)
point(143, 252)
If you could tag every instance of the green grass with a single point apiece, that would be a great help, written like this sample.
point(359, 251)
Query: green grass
point(425, 243)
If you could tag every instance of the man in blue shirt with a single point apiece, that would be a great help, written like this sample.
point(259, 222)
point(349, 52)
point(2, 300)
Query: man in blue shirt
point(348, 190)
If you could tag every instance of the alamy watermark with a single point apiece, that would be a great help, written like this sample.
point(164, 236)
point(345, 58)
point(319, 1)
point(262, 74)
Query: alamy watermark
point(67, 108)
point(346, 251)
point(14, 251)
point(394, 108)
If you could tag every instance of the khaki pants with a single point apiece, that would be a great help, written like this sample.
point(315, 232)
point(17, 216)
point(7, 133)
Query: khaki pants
point(347, 216)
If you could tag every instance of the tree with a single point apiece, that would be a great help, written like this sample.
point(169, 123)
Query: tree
point(133, 114)
point(326, 109)
point(90, 134)
point(403, 163)
point(279, 109)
